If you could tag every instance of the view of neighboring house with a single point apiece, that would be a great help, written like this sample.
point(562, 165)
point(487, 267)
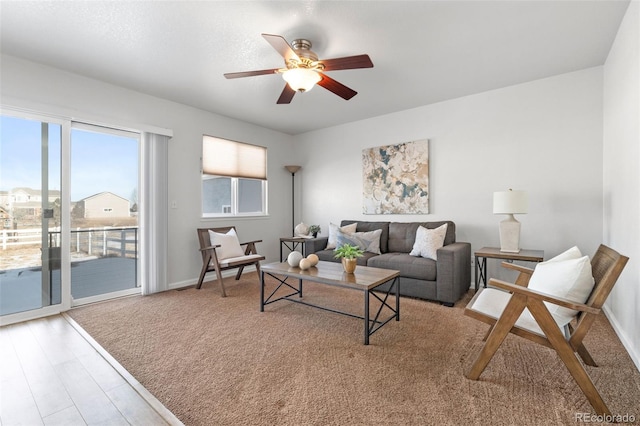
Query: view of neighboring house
point(102, 205)
point(20, 196)
point(24, 204)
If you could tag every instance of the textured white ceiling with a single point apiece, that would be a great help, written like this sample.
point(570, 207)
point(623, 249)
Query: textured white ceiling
point(423, 51)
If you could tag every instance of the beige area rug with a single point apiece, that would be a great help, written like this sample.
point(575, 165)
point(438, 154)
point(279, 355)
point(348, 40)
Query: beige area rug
point(215, 361)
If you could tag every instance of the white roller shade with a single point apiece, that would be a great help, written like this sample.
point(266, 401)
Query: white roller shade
point(223, 157)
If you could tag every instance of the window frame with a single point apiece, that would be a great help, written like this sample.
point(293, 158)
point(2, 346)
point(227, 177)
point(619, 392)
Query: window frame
point(234, 180)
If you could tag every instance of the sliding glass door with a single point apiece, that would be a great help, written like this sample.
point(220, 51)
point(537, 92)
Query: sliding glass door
point(68, 214)
point(104, 213)
point(30, 214)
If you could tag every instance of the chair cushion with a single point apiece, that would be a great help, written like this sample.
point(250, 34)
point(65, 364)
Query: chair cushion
point(428, 241)
point(244, 259)
point(333, 233)
point(569, 279)
point(229, 244)
point(491, 302)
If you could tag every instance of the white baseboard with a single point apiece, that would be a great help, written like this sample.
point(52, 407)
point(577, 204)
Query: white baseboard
point(635, 357)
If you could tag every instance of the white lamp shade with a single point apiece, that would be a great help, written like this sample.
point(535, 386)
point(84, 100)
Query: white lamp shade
point(301, 79)
point(510, 202)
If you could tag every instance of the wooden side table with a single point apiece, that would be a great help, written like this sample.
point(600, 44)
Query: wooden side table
point(485, 253)
point(292, 243)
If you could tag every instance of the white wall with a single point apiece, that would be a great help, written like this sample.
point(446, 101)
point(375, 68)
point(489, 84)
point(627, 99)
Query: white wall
point(544, 137)
point(622, 176)
point(49, 91)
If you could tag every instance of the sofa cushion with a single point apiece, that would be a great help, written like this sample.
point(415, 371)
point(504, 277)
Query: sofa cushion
point(409, 266)
point(326, 255)
point(402, 235)
point(372, 226)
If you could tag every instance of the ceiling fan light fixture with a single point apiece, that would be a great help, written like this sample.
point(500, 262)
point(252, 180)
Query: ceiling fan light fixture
point(301, 79)
point(302, 69)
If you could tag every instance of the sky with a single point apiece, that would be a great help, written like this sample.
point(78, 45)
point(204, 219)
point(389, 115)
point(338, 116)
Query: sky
point(99, 162)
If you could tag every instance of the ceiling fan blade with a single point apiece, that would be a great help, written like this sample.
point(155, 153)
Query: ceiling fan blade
point(250, 73)
point(282, 46)
point(335, 87)
point(347, 63)
point(286, 95)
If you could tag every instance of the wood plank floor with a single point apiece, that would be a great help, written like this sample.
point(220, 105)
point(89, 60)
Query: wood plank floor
point(53, 373)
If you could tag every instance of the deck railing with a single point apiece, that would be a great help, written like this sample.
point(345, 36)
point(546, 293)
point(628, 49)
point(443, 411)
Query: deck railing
point(20, 237)
point(106, 241)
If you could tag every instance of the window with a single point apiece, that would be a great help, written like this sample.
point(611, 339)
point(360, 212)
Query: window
point(234, 178)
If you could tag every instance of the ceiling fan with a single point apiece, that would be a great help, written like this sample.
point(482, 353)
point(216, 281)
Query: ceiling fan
point(303, 69)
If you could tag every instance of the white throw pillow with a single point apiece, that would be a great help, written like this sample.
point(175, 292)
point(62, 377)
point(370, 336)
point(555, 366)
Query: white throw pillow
point(569, 279)
point(333, 233)
point(428, 241)
point(229, 244)
point(572, 253)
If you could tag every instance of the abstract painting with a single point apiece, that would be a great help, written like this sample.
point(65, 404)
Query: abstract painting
point(396, 178)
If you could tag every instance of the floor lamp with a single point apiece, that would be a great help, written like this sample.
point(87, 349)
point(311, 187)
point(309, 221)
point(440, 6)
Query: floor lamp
point(293, 170)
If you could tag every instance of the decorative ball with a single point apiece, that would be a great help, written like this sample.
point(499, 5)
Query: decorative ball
point(313, 258)
point(305, 264)
point(294, 258)
point(301, 229)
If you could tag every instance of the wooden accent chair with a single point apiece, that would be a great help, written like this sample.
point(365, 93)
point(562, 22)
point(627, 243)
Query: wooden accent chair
point(539, 325)
point(228, 255)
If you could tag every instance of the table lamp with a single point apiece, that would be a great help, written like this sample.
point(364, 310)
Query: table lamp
point(510, 202)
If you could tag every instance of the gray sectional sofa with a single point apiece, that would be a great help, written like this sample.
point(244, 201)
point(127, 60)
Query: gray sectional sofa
point(445, 280)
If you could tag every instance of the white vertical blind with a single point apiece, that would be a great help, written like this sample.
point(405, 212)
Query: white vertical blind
point(154, 209)
point(222, 157)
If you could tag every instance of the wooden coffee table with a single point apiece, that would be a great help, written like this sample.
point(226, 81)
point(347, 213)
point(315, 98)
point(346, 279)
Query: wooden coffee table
point(365, 279)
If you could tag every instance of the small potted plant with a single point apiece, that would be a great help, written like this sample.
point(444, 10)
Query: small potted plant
point(349, 255)
point(314, 230)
